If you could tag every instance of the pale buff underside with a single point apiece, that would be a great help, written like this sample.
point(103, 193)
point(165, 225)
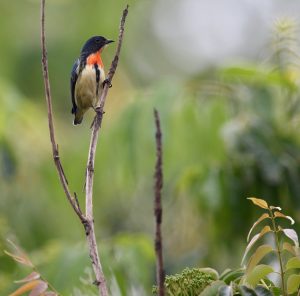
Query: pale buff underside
point(85, 89)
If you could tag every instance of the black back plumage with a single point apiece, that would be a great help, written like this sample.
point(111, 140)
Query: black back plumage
point(74, 76)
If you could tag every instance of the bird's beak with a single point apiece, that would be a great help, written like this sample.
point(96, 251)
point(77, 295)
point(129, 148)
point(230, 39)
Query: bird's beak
point(109, 41)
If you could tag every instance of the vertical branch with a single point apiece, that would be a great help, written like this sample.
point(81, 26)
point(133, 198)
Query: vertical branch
point(98, 120)
point(278, 251)
point(100, 280)
point(55, 152)
point(158, 176)
point(88, 220)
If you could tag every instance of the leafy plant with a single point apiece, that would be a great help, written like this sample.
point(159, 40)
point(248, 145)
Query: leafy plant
point(285, 246)
point(252, 278)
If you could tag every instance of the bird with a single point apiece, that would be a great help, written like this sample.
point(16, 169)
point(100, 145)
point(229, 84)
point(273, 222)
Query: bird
point(88, 77)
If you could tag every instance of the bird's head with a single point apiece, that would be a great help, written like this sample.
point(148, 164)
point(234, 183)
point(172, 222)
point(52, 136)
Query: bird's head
point(93, 45)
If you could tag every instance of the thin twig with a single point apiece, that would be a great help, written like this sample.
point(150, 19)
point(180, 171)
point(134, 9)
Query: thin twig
point(158, 176)
point(87, 221)
point(55, 151)
point(100, 280)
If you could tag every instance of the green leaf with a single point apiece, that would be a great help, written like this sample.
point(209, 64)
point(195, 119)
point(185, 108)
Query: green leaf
point(262, 291)
point(212, 289)
point(258, 273)
point(261, 218)
point(259, 202)
point(276, 291)
point(266, 282)
point(288, 247)
point(212, 272)
point(224, 273)
point(245, 291)
point(232, 275)
point(280, 215)
point(291, 234)
point(225, 291)
point(293, 283)
point(259, 254)
point(293, 263)
point(265, 230)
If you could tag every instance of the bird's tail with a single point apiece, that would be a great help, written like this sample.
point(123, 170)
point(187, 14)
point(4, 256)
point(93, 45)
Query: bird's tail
point(78, 117)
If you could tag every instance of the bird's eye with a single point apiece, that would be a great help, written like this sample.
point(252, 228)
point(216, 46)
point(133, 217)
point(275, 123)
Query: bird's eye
point(97, 40)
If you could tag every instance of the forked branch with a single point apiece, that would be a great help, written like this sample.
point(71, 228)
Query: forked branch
point(87, 220)
point(91, 160)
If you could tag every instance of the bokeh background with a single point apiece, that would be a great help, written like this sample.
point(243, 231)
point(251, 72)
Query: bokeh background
point(224, 76)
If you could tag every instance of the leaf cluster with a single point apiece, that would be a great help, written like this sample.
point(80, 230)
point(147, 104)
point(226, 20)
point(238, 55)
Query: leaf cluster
point(252, 278)
point(285, 247)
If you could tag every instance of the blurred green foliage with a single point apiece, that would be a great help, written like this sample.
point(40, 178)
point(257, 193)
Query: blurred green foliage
point(229, 132)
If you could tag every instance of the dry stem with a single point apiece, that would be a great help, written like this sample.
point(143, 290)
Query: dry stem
point(100, 280)
point(87, 220)
point(158, 176)
point(55, 151)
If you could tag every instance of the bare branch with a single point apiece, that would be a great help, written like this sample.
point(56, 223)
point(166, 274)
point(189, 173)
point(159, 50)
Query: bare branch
point(55, 151)
point(100, 280)
point(88, 220)
point(158, 176)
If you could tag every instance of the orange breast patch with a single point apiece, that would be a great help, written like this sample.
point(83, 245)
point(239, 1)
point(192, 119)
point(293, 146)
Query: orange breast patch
point(95, 58)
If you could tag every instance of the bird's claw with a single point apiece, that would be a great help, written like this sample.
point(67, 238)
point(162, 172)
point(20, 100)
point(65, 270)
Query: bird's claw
point(107, 81)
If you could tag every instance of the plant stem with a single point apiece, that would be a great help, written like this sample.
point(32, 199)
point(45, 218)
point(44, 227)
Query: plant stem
point(88, 219)
point(160, 274)
point(90, 232)
point(278, 251)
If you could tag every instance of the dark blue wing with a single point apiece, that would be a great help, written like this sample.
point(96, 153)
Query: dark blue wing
point(74, 76)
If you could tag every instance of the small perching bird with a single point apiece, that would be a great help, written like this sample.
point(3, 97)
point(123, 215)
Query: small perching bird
point(87, 77)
